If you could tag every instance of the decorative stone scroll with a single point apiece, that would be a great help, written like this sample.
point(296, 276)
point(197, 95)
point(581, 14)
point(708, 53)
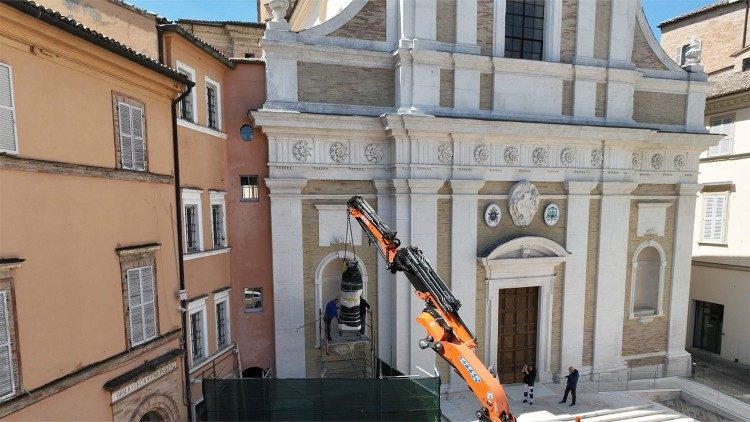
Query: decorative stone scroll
point(445, 153)
point(481, 154)
point(302, 151)
point(540, 157)
point(339, 152)
point(523, 202)
point(511, 156)
point(374, 153)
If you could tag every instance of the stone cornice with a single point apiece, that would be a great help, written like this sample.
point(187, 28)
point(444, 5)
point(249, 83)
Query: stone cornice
point(283, 187)
point(137, 249)
point(329, 54)
point(535, 67)
point(728, 103)
point(425, 186)
point(688, 189)
point(466, 187)
point(618, 188)
point(580, 188)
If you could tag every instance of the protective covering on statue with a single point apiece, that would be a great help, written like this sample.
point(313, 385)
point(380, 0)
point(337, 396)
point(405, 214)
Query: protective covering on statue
point(351, 290)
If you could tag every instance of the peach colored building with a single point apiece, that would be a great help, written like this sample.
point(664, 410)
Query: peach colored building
point(90, 325)
point(203, 188)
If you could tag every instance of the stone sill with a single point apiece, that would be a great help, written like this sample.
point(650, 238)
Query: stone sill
point(203, 254)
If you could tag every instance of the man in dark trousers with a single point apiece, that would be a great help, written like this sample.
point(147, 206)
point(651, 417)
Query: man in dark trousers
point(332, 309)
point(529, 376)
point(363, 307)
point(572, 383)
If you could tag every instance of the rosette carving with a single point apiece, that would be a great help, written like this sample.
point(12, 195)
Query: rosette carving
point(680, 162)
point(339, 152)
point(567, 156)
point(636, 160)
point(374, 153)
point(445, 153)
point(657, 161)
point(511, 156)
point(597, 158)
point(481, 154)
point(540, 157)
point(302, 151)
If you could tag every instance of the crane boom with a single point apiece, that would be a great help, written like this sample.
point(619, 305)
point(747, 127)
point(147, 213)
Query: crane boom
point(447, 334)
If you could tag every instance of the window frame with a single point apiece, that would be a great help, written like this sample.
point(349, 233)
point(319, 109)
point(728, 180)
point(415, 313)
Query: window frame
point(730, 136)
point(190, 73)
point(117, 99)
point(129, 310)
point(192, 197)
point(523, 38)
point(217, 86)
point(218, 198)
point(219, 298)
point(252, 310)
point(725, 219)
point(194, 307)
point(659, 311)
point(12, 109)
point(257, 179)
point(6, 292)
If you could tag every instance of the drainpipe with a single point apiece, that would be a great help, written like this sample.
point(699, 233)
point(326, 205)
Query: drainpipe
point(180, 240)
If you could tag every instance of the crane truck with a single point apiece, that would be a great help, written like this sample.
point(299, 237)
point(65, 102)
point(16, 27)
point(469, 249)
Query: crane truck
point(447, 334)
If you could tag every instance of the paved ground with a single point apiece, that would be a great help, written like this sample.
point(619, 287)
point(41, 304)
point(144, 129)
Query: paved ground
point(725, 377)
point(693, 411)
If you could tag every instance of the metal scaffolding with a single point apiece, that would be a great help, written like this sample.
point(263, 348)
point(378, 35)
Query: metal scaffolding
point(349, 354)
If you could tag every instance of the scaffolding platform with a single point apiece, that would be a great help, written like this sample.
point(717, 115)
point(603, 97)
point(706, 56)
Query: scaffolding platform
point(348, 354)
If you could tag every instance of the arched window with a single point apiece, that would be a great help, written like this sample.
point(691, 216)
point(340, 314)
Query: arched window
point(647, 283)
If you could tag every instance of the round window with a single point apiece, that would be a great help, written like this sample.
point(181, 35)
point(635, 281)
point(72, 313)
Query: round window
point(246, 132)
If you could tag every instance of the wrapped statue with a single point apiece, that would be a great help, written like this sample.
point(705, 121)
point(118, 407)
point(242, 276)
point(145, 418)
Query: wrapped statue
point(351, 291)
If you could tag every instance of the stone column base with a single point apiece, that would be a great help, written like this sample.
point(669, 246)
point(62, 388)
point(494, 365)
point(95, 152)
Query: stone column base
point(679, 364)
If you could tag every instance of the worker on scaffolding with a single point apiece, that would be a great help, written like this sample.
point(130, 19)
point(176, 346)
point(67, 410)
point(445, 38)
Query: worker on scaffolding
point(332, 311)
point(363, 307)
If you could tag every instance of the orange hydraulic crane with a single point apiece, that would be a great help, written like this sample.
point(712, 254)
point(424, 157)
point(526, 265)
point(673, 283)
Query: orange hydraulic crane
point(447, 334)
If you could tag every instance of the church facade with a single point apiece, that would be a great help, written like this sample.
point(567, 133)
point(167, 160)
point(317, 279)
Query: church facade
point(542, 153)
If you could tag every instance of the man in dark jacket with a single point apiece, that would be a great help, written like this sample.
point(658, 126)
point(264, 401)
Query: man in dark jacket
point(363, 307)
point(332, 311)
point(572, 383)
point(529, 376)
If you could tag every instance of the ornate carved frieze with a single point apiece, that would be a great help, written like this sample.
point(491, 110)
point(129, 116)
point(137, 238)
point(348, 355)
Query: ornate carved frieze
point(302, 151)
point(339, 152)
point(523, 202)
point(680, 162)
point(597, 158)
point(540, 157)
point(374, 153)
point(511, 156)
point(445, 153)
point(657, 161)
point(636, 161)
point(481, 154)
point(567, 157)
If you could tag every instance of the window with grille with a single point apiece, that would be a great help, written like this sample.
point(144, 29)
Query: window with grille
point(217, 219)
point(141, 304)
point(524, 29)
point(187, 104)
point(130, 129)
point(8, 137)
point(222, 324)
point(714, 218)
point(212, 107)
point(725, 126)
point(198, 343)
point(248, 188)
point(192, 242)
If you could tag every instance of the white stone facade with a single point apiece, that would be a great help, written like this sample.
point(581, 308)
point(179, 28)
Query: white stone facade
point(429, 155)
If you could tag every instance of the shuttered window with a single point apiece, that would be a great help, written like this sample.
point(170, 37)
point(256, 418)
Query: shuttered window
point(724, 125)
point(7, 386)
point(714, 218)
point(8, 137)
point(141, 304)
point(131, 134)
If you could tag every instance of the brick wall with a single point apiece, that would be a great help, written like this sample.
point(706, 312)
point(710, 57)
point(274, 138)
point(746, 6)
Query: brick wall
point(484, 26)
point(335, 84)
point(601, 39)
point(720, 31)
point(163, 396)
point(592, 258)
point(600, 107)
point(446, 21)
point(569, 20)
point(643, 56)
point(658, 107)
point(446, 88)
point(567, 97)
point(368, 24)
point(486, 94)
point(638, 338)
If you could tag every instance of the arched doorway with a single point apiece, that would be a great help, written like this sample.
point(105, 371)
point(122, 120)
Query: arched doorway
point(254, 372)
point(152, 416)
point(328, 282)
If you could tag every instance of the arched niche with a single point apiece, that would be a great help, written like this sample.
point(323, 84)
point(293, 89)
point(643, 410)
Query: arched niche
point(328, 281)
point(647, 281)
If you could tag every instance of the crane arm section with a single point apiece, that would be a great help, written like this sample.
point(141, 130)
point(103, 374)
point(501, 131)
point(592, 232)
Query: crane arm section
point(447, 334)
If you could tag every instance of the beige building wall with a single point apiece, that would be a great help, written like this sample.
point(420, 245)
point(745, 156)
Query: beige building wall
point(68, 210)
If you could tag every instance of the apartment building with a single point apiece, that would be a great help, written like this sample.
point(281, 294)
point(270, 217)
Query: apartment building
point(720, 282)
point(542, 154)
point(90, 325)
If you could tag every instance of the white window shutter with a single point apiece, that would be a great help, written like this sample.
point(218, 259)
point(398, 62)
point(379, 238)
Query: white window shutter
point(6, 365)
point(135, 306)
point(8, 141)
point(149, 305)
point(126, 135)
point(708, 213)
point(139, 153)
point(719, 218)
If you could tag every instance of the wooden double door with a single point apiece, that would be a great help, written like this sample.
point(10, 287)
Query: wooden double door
point(516, 332)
